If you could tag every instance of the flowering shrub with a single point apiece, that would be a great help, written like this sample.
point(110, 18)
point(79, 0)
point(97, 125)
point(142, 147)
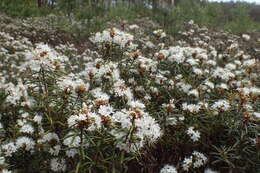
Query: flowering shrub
point(129, 102)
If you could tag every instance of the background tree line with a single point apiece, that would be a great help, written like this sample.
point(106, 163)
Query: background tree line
point(237, 17)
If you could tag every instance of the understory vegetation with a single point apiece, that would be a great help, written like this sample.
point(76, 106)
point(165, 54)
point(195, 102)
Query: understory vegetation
point(235, 17)
point(82, 91)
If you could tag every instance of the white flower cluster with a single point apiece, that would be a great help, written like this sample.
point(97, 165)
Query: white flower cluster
point(159, 33)
point(87, 94)
point(208, 170)
point(194, 108)
point(138, 126)
point(196, 160)
point(43, 57)
point(188, 55)
point(77, 120)
point(221, 105)
point(246, 37)
point(58, 165)
point(257, 115)
point(194, 135)
point(72, 83)
point(16, 92)
point(114, 36)
point(168, 169)
point(249, 91)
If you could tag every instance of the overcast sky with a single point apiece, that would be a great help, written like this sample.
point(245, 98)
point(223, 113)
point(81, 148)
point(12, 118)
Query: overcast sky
point(256, 1)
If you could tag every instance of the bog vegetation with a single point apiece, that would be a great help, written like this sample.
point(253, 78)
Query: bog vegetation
point(82, 92)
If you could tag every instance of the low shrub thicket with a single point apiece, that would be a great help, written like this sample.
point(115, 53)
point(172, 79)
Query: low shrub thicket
point(131, 102)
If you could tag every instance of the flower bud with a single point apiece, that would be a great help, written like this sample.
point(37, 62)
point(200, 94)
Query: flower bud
point(81, 89)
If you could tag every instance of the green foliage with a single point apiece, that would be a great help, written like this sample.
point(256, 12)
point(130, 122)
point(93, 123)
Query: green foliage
point(22, 8)
point(239, 20)
point(234, 17)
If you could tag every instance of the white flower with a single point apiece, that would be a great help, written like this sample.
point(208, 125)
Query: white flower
point(196, 160)
point(231, 66)
point(194, 135)
point(249, 63)
point(136, 104)
point(16, 92)
point(21, 122)
point(223, 86)
point(72, 140)
point(187, 163)
point(223, 74)
point(184, 87)
point(74, 119)
point(99, 95)
point(2, 160)
point(43, 57)
point(246, 91)
point(257, 115)
point(160, 79)
point(27, 128)
point(191, 22)
point(181, 118)
point(49, 137)
point(149, 44)
point(168, 169)
point(37, 119)
point(55, 150)
point(255, 91)
point(197, 71)
point(210, 84)
point(58, 165)
point(221, 105)
point(26, 142)
point(114, 36)
point(200, 159)
point(208, 170)
point(132, 27)
point(191, 107)
point(194, 62)
point(160, 33)
point(71, 152)
point(9, 148)
point(96, 121)
point(246, 37)
point(73, 82)
point(105, 110)
point(211, 62)
point(6, 171)
point(147, 130)
point(123, 118)
point(194, 92)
